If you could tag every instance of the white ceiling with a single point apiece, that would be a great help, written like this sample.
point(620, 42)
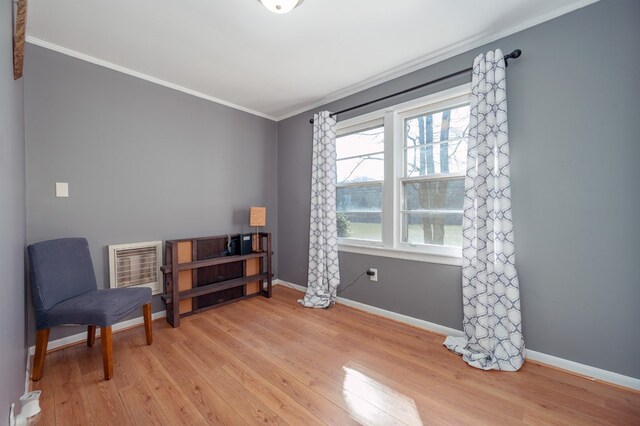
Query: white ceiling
point(238, 53)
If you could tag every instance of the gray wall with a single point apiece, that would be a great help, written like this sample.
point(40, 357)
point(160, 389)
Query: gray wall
point(573, 109)
point(12, 222)
point(143, 162)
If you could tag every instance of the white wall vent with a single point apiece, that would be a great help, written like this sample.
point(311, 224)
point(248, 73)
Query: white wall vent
point(136, 265)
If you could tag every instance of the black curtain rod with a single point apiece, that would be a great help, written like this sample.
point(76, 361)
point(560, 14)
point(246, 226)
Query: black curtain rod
point(513, 55)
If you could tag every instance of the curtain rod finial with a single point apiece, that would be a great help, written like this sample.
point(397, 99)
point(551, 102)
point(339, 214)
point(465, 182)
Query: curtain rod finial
point(513, 55)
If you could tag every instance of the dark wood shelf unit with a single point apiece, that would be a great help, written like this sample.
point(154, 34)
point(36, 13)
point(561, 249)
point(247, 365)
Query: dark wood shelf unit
point(211, 262)
point(198, 276)
point(212, 288)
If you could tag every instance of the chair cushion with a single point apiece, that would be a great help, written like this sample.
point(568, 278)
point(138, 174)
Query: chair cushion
point(60, 269)
point(100, 307)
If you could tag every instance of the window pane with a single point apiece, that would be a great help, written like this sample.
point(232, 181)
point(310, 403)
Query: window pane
point(436, 142)
point(437, 194)
point(443, 228)
point(360, 212)
point(359, 198)
point(360, 143)
point(361, 169)
point(436, 212)
point(437, 158)
point(438, 126)
point(360, 225)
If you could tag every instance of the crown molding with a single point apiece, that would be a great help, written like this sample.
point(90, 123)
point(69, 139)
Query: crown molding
point(435, 57)
point(96, 61)
point(399, 71)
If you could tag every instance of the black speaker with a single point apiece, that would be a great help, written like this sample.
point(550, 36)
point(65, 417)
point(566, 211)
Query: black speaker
point(233, 246)
point(246, 246)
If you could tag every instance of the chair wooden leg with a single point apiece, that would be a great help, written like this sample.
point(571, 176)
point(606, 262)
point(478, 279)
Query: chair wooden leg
point(91, 335)
point(42, 339)
point(107, 352)
point(146, 309)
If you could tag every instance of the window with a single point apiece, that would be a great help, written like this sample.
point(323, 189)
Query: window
point(435, 159)
point(400, 184)
point(360, 173)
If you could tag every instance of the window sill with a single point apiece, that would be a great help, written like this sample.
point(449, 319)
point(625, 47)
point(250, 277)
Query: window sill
point(414, 255)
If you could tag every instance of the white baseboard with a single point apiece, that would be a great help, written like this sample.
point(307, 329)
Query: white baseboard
point(76, 338)
point(437, 328)
point(288, 284)
point(27, 373)
point(81, 337)
point(590, 372)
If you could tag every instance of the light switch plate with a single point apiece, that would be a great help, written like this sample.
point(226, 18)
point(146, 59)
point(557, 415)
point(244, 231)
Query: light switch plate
point(62, 189)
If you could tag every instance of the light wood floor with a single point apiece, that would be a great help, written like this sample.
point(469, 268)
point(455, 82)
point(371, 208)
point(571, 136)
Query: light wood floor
point(271, 361)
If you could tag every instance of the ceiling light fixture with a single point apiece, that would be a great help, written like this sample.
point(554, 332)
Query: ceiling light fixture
point(280, 6)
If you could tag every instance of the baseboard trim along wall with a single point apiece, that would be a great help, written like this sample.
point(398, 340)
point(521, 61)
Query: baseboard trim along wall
point(80, 337)
point(587, 371)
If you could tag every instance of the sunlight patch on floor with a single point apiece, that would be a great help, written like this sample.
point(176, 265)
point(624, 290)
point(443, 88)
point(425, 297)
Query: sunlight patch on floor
point(374, 394)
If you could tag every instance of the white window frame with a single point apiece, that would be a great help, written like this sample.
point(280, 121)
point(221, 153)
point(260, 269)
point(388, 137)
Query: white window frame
point(393, 118)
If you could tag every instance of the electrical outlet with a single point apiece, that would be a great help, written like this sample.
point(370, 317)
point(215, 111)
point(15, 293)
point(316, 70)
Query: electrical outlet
point(373, 274)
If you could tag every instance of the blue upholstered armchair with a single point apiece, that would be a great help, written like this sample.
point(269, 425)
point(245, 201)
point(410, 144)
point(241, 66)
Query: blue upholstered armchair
point(64, 291)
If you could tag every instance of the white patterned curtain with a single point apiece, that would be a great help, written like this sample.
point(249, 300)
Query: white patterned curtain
point(491, 296)
point(324, 270)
